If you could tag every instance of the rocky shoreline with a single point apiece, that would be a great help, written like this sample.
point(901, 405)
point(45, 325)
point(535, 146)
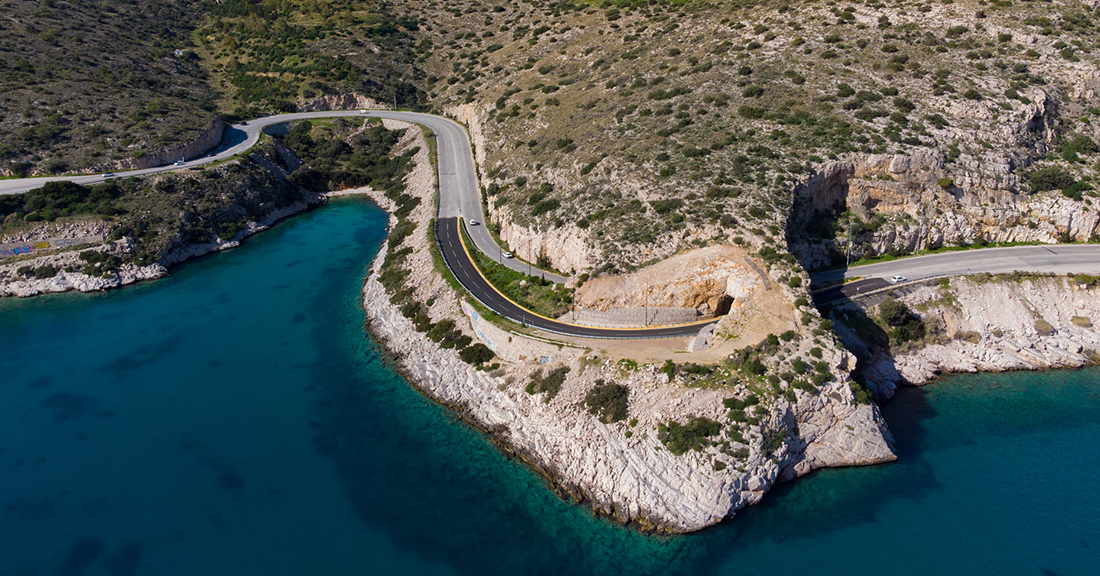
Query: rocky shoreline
point(988, 323)
point(619, 469)
point(13, 284)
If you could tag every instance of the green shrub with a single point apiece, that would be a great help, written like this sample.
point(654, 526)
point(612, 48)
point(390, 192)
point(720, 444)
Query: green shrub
point(669, 369)
point(608, 401)
point(751, 112)
point(893, 312)
point(477, 354)
point(1050, 178)
point(551, 383)
point(695, 435)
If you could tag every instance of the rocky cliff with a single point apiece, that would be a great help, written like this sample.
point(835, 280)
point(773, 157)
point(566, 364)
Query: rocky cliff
point(992, 324)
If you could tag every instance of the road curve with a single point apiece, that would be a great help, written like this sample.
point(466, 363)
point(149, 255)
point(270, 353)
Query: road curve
point(447, 231)
point(459, 198)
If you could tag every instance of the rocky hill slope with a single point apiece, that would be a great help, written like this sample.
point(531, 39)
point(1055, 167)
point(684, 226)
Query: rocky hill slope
point(84, 83)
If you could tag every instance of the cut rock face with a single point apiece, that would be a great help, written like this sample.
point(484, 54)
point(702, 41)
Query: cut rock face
point(710, 280)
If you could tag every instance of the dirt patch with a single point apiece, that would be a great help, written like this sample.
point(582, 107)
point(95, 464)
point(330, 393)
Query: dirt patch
point(710, 280)
point(764, 312)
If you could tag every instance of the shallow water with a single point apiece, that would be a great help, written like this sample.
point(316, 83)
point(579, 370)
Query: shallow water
point(234, 418)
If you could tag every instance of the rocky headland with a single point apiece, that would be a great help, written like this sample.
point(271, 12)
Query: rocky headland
point(624, 468)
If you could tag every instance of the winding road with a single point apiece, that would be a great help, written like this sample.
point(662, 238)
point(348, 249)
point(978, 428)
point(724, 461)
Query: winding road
point(460, 199)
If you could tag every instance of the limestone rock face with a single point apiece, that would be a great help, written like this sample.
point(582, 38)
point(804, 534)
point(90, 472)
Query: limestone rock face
point(930, 199)
point(995, 326)
point(341, 102)
point(566, 248)
point(741, 285)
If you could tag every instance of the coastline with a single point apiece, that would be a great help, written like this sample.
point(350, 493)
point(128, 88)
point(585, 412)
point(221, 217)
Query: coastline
point(987, 323)
point(620, 470)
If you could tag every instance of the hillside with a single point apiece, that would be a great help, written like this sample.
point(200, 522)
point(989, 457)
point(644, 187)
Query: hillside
point(647, 128)
point(633, 130)
point(86, 83)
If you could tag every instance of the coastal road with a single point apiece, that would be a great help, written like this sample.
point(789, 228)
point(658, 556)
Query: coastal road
point(450, 243)
point(459, 198)
point(460, 193)
point(1053, 258)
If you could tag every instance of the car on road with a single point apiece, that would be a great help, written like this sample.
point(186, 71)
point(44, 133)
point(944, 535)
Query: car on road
point(898, 279)
point(108, 175)
point(507, 254)
point(474, 222)
point(178, 163)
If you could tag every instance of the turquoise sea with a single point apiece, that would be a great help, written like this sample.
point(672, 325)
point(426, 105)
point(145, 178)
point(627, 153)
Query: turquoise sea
point(236, 419)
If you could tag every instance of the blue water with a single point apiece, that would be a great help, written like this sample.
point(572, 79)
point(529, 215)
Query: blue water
point(235, 419)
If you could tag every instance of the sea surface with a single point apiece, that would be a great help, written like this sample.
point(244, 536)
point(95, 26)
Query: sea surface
point(235, 418)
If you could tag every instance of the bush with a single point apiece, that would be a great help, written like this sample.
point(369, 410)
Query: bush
point(1050, 178)
point(608, 401)
point(1041, 326)
point(47, 271)
point(551, 383)
point(692, 436)
point(752, 92)
point(893, 312)
point(669, 369)
point(751, 112)
point(477, 354)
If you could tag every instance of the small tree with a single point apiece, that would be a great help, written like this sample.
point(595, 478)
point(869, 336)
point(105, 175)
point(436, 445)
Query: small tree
point(893, 312)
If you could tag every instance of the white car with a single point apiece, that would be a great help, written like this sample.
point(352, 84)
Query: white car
point(898, 279)
point(108, 175)
point(178, 163)
point(507, 254)
point(474, 222)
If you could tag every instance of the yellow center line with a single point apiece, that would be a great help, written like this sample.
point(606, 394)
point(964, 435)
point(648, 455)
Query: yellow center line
point(465, 249)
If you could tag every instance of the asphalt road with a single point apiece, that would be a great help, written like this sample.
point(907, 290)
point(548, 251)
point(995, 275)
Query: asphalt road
point(460, 194)
point(459, 197)
point(1056, 258)
point(848, 290)
point(450, 244)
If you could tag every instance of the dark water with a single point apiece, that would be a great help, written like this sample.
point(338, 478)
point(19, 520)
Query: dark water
point(235, 419)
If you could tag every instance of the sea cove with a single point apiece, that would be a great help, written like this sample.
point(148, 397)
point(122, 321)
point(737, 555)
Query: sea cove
point(235, 418)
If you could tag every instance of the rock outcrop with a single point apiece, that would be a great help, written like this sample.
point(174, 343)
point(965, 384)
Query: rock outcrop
point(341, 102)
point(996, 324)
point(710, 280)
